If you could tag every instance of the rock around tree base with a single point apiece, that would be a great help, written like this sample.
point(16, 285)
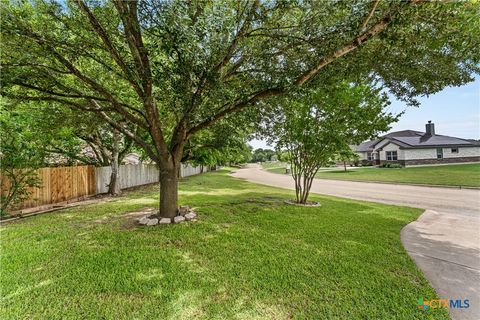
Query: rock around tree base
point(184, 214)
point(308, 204)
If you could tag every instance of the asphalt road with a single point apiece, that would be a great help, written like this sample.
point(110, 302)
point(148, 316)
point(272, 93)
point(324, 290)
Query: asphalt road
point(444, 242)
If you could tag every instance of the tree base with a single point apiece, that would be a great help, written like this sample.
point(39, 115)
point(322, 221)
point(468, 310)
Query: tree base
point(308, 204)
point(184, 213)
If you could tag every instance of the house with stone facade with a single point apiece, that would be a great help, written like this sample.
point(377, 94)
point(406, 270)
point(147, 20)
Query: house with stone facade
point(409, 147)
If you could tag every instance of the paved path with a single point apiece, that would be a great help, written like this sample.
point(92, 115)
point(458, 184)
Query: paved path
point(444, 241)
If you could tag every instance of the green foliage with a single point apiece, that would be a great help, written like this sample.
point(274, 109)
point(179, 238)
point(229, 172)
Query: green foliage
point(21, 152)
point(224, 143)
point(209, 59)
point(262, 155)
point(347, 154)
point(390, 165)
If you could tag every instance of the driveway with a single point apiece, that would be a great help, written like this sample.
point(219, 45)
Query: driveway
point(444, 241)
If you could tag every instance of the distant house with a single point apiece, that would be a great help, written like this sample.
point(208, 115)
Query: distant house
point(87, 155)
point(131, 158)
point(410, 147)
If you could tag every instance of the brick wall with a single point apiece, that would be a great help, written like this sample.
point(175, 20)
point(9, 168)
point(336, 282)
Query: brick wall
point(413, 162)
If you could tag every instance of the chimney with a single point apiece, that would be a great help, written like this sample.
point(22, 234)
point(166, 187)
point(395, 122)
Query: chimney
point(430, 128)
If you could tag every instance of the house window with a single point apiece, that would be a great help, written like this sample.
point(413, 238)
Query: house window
point(391, 155)
point(439, 153)
point(454, 150)
point(369, 156)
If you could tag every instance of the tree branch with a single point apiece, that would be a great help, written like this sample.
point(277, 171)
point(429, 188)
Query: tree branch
point(306, 76)
point(233, 45)
point(235, 107)
point(49, 98)
point(128, 14)
point(110, 47)
point(54, 93)
point(131, 135)
point(355, 43)
point(370, 15)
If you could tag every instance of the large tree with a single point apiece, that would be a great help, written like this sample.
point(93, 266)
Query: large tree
point(174, 68)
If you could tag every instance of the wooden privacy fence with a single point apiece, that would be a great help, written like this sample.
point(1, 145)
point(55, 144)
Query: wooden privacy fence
point(132, 175)
point(61, 184)
point(189, 170)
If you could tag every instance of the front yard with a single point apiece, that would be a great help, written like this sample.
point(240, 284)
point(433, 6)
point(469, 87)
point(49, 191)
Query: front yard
point(467, 175)
point(250, 256)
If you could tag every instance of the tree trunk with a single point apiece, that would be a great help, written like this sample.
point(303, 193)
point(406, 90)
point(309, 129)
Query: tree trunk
point(114, 185)
point(345, 166)
point(169, 191)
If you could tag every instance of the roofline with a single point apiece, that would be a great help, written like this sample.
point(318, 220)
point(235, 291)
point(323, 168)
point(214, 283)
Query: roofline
point(397, 143)
point(467, 141)
point(404, 145)
point(442, 146)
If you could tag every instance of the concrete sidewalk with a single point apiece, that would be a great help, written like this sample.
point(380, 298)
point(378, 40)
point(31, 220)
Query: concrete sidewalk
point(444, 242)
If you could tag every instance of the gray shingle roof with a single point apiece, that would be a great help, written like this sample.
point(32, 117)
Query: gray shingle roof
point(432, 141)
point(410, 139)
point(366, 146)
point(403, 133)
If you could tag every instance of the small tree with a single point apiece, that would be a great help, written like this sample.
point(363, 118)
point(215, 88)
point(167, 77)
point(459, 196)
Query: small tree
point(346, 154)
point(262, 155)
point(314, 125)
point(20, 156)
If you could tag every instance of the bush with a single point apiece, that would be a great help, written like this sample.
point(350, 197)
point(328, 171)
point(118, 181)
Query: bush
point(19, 183)
point(21, 152)
point(391, 165)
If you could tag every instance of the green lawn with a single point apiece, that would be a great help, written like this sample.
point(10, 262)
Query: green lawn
point(250, 256)
point(451, 175)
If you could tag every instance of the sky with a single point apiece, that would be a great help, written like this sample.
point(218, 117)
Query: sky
point(455, 112)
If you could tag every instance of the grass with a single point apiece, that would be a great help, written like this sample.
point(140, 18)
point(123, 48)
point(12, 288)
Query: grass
point(467, 175)
point(250, 256)
point(273, 164)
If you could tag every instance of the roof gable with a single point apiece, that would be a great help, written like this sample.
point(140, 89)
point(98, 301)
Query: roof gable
point(387, 141)
point(366, 146)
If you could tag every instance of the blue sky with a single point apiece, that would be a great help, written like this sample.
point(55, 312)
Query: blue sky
point(455, 112)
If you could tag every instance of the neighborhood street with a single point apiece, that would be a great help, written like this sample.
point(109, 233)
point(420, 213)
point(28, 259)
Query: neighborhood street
point(444, 242)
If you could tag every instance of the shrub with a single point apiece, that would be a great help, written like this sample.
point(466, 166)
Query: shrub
point(19, 183)
point(21, 152)
point(391, 165)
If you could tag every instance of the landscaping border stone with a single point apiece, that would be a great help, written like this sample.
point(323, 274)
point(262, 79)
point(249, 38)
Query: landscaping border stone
point(185, 213)
point(308, 204)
